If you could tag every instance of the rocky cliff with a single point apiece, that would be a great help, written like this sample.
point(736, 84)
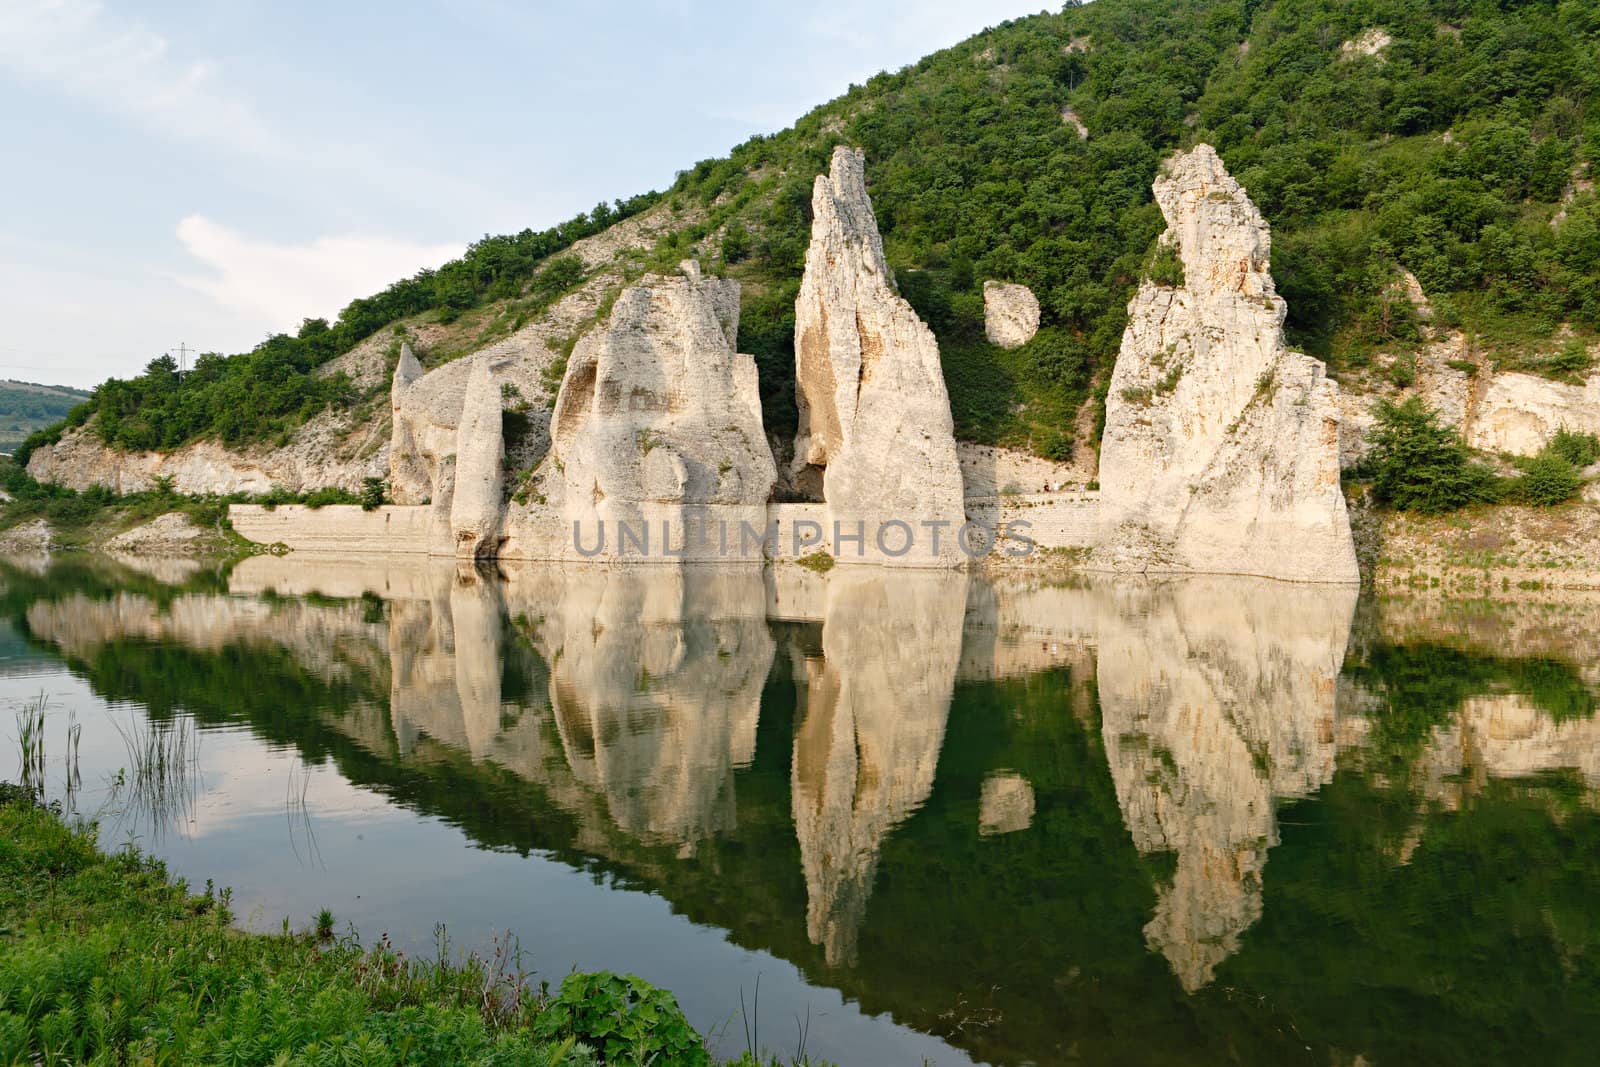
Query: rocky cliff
point(1221, 447)
point(478, 502)
point(658, 420)
point(327, 452)
point(875, 425)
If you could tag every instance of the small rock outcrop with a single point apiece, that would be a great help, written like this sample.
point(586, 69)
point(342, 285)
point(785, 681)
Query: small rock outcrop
point(166, 535)
point(1373, 41)
point(658, 416)
point(1221, 447)
point(32, 536)
point(1010, 314)
point(875, 423)
point(479, 500)
point(1521, 413)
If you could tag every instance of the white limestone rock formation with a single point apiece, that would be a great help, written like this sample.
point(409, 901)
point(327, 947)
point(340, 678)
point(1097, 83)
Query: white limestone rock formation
point(1010, 314)
point(479, 499)
point(413, 440)
point(27, 537)
point(658, 420)
point(875, 418)
point(427, 408)
point(171, 534)
point(1520, 413)
point(1221, 447)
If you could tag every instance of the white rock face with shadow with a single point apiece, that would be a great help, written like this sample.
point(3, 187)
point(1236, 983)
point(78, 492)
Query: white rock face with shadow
point(658, 421)
point(1221, 446)
point(875, 423)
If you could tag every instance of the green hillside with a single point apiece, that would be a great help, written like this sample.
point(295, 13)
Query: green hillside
point(26, 407)
point(1448, 153)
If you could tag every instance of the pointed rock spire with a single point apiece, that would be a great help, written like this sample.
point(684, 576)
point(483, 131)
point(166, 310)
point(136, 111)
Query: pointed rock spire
point(409, 369)
point(874, 413)
point(1221, 447)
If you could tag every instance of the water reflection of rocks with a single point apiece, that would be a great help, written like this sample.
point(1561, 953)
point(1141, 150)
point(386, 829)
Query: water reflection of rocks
point(632, 698)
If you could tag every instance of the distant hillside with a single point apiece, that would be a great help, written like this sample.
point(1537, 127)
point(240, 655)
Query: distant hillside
point(1453, 139)
point(27, 406)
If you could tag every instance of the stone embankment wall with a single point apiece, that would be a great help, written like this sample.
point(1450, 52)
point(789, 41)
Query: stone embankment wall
point(338, 528)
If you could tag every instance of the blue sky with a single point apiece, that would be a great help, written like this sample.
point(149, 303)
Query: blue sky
point(210, 173)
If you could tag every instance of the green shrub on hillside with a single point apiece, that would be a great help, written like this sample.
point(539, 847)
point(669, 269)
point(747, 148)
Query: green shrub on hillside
point(1418, 465)
point(1547, 480)
point(1578, 449)
point(1552, 477)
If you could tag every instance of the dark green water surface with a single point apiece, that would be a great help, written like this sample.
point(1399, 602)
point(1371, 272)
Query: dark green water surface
point(939, 818)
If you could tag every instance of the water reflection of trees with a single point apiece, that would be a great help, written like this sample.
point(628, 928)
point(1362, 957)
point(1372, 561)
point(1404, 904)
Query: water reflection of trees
point(924, 788)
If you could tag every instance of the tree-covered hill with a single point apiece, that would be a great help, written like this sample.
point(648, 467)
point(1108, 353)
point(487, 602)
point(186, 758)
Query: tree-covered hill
point(28, 406)
point(1450, 138)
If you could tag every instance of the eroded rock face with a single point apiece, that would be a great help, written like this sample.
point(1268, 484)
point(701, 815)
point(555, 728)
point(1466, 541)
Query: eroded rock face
point(166, 535)
point(659, 418)
point(1010, 314)
point(479, 500)
point(875, 418)
point(415, 441)
point(324, 453)
point(427, 408)
point(1221, 447)
point(1520, 413)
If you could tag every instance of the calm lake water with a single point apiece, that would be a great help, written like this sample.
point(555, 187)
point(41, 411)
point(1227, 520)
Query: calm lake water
point(936, 818)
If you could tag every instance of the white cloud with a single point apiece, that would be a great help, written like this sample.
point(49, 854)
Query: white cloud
point(78, 47)
point(284, 283)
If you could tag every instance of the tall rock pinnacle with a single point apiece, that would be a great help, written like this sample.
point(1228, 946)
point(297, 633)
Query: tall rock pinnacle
point(874, 414)
point(1221, 447)
point(477, 505)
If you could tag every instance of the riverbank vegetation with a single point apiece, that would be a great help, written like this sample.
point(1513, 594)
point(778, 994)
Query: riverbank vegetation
point(107, 959)
point(1417, 463)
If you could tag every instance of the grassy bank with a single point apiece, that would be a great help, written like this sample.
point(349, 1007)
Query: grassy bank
point(106, 959)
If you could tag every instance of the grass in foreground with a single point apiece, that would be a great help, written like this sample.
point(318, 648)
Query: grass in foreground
point(104, 959)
